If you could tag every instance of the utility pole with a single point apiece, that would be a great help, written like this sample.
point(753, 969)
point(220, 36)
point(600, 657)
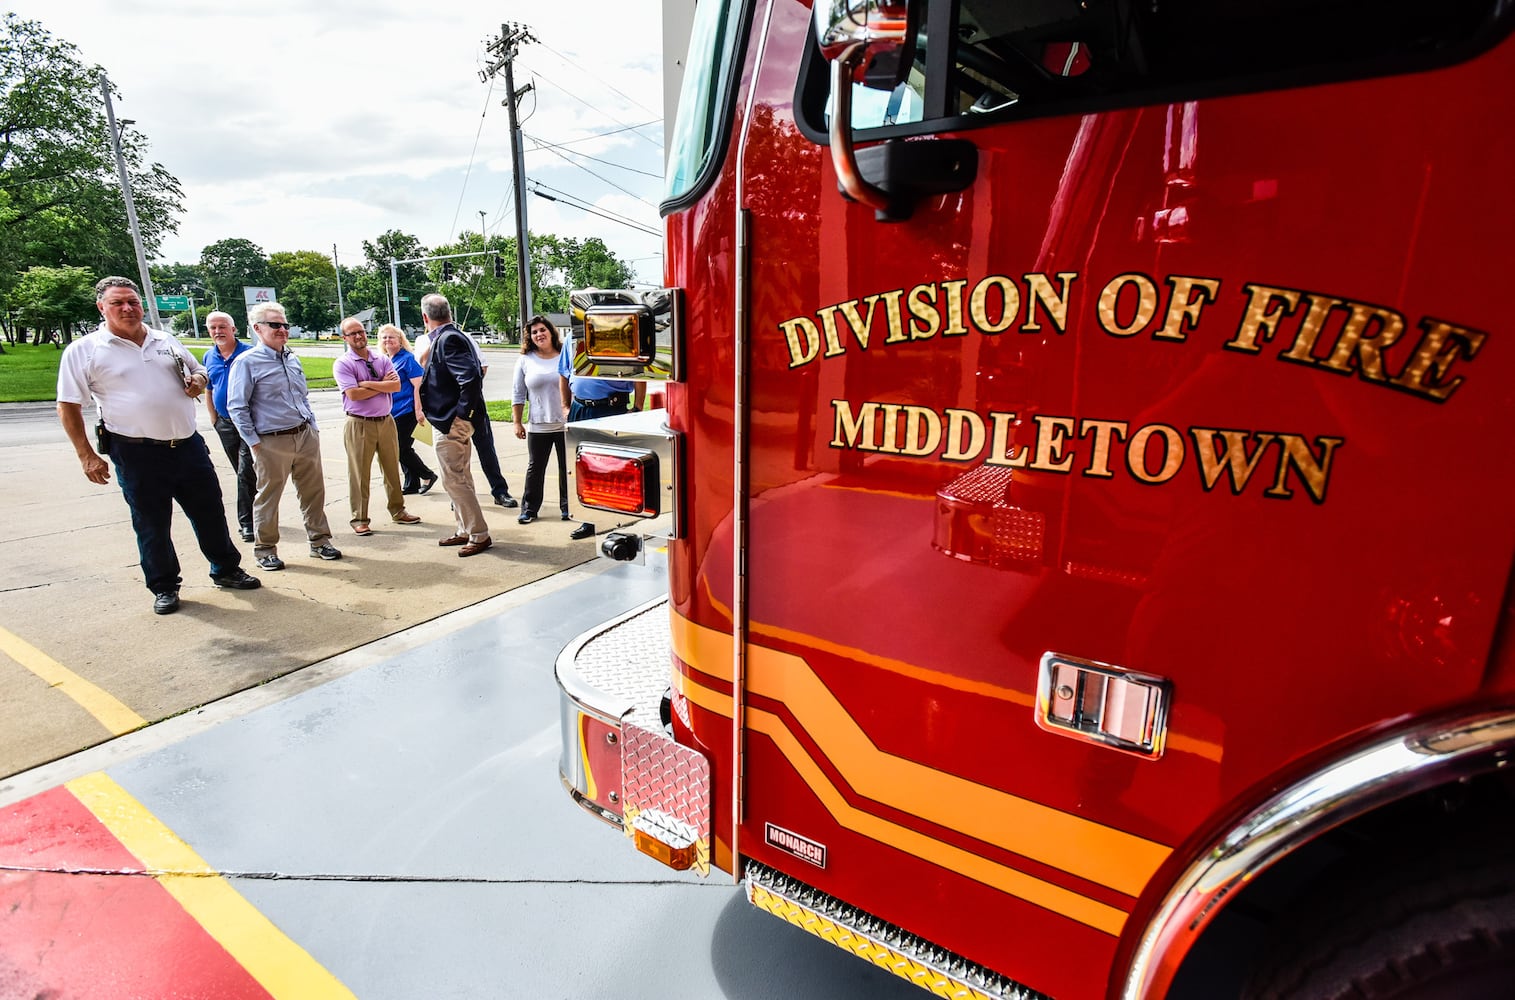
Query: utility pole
point(504, 49)
point(131, 209)
point(341, 309)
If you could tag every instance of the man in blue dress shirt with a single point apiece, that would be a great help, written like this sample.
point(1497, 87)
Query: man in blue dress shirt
point(223, 330)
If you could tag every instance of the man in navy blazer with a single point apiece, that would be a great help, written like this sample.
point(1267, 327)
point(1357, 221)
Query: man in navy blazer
point(452, 399)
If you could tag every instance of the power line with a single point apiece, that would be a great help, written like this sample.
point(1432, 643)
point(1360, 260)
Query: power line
point(563, 198)
point(656, 142)
point(602, 180)
point(587, 73)
point(608, 163)
point(471, 154)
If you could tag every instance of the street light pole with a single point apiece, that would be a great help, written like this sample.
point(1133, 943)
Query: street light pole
point(131, 209)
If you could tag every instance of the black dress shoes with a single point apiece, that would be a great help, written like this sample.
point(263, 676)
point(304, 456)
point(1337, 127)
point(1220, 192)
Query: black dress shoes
point(505, 500)
point(165, 602)
point(409, 489)
point(247, 534)
point(426, 485)
point(584, 530)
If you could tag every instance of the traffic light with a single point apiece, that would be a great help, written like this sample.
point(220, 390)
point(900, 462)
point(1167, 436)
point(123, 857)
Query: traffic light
point(446, 270)
point(499, 266)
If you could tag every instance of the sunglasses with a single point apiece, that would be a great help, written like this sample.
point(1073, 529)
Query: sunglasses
point(276, 326)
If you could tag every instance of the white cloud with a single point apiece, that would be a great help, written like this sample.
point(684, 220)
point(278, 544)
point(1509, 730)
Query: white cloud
point(299, 126)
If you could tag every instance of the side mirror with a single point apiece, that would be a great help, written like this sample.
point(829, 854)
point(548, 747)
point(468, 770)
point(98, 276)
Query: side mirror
point(870, 42)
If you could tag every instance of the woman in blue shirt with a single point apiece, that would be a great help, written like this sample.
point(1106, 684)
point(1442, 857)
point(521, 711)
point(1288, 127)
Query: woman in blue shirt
point(406, 404)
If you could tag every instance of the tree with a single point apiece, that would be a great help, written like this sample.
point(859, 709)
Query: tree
point(229, 265)
point(54, 298)
point(60, 196)
point(307, 284)
point(395, 245)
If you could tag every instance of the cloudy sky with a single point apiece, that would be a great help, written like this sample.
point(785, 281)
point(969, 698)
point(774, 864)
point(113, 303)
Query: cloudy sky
point(300, 125)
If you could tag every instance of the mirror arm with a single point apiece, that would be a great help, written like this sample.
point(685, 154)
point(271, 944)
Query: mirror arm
point(843, 156)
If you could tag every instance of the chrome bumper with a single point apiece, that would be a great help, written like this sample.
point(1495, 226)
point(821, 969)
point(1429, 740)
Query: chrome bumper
point(617, 760)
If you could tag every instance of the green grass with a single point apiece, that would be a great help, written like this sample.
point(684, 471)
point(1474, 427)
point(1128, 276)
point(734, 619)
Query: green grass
point(29, 374)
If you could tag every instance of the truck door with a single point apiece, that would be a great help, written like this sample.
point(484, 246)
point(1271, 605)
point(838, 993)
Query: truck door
point(1057, 485)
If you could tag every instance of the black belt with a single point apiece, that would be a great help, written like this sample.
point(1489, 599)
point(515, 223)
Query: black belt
point(291, 430)
point(359, 416)
point(618, 399)
point(172, 443)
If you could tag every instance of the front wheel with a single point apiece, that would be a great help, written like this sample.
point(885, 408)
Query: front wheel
point(1438, 927)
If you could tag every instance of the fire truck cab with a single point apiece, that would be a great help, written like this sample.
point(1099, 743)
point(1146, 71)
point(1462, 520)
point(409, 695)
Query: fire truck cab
point(1086, 480)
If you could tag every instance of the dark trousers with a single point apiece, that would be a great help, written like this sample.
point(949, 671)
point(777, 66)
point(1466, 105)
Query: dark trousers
point(580, 410)
point(241, 459)
point(538, 447)
point(153, 478)
point(411, 465)
point(483, 443)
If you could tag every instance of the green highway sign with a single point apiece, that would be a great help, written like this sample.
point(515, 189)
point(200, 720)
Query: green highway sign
point(173, 303)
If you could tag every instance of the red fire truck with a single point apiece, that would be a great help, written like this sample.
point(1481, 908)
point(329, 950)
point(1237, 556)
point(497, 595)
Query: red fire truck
point(1087, 486)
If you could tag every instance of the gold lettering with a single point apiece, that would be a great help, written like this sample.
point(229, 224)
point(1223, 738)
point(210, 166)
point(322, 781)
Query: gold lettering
point(895, 315)
point(1146, 304)
point(952, 295)
point(828, 328)
point(1000, 446)
point(861, 325)
point(978, 304)
point(918, 418)
point(1104, 432)
point(1236, 460)
point(1173, 453)
point(1435, 353)
point(1051, 437)
point(853, 431)
point(890, 443)
point(1039, 289)
point(801, 353)
point(1369, 350)
point(1296, 453)
point(923, 307)
point(1183, 308)
point(959, 421)
point(1303, 349)
point(1260, 320)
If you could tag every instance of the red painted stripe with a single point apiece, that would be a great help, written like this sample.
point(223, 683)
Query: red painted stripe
point(97, 937)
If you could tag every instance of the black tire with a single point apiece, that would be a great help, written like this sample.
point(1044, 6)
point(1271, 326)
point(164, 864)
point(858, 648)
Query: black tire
point(1418, 928)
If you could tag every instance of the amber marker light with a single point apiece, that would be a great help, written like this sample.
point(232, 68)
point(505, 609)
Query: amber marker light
point(622, 480)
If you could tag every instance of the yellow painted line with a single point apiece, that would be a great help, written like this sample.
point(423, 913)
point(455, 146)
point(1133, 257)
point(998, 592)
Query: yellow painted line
point(109, 712)
point(279, 965)
point(1070, 843)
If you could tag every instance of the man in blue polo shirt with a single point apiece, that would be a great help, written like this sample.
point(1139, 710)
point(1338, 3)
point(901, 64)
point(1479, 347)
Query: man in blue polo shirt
point(223, 330)
point(587, 398)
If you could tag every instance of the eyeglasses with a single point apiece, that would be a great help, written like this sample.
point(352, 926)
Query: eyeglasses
point(276, 326)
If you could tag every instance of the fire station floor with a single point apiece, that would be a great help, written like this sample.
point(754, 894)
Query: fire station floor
point(387, 823)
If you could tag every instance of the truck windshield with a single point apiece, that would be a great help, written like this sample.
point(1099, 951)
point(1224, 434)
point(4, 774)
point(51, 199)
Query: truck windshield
point(704, 99)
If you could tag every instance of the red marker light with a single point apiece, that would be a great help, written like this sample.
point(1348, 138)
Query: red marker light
point(623, 480)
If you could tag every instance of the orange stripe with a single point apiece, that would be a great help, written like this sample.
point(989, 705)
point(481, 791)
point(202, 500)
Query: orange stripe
point(1099, 853)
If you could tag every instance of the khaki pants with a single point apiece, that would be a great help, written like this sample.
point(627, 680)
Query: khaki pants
point(455, 455)
point(280, 457)
point(364, 438)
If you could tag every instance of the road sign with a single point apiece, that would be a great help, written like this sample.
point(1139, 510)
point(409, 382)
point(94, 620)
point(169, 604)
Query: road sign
point(173, 303)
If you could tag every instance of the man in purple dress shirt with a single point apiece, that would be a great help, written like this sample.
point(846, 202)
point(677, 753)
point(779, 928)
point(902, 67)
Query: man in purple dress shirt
point(368, 379)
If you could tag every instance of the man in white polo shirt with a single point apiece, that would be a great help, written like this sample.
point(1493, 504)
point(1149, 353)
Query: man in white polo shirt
point(144, 384)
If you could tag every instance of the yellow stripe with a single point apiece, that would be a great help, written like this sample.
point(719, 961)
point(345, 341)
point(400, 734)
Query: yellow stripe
point(997, 876)
point(109, 712)
point(1102, 854)
point(279, 965)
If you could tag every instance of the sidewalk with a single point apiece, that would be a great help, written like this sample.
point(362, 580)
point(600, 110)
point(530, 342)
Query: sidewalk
point(82, 656)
